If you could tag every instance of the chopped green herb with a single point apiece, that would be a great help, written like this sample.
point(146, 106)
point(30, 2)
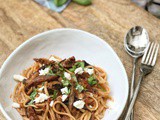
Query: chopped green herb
point(101, 88)
point(55, 93)
point(66, 82)
point(51, 73)
point(32, 96)
point(43, 83)
point(77, 65)
point(74, 77)
point(61, 68)
point(31, 102)
point(79, 87)
point(92, 80)
point(72, 69)
point(68, 91)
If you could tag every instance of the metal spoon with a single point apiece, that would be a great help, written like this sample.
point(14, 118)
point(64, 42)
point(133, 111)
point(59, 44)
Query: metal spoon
point(135, 43)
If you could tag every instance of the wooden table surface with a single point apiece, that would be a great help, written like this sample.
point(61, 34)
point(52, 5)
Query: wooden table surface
point(108, 19)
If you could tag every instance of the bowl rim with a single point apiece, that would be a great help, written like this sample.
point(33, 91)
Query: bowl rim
point(74, 30)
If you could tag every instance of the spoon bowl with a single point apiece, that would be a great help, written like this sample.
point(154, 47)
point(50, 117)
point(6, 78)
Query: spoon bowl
point(136, 41)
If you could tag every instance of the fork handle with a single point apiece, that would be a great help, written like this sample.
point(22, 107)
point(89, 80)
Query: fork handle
point(132, 102)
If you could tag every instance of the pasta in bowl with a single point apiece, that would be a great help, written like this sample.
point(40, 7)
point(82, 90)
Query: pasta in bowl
point(56, 89)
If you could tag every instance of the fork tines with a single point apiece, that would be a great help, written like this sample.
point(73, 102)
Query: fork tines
point(150, 54)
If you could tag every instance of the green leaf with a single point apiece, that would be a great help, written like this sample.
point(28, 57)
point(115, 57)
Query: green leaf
point(33, 94)
point(51, 73)
point(77, 65)
point(55, 93)
point(74, 77)
point(31, 102)
point(83, 2)
point(66, 83)
point(72, 69)
point(59, 3)
point(92, 80)
point(101, 88)
point(79, 87)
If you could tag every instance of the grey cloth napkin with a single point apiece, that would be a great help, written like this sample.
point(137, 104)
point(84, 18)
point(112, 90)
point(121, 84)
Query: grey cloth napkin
point(50, 4)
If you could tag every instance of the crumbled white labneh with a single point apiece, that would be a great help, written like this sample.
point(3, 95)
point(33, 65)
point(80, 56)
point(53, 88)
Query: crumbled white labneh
point(64, 97)
point(52, 58)
point(67, 75)
point(40, 89)
point(19, 78)
point(79, 104)
point(89, 70)
point(51, 103)
point(41, 98)
point(44, 72)
point(90, 106)
point(78, 71)
point(64, 90)
point(15, 105)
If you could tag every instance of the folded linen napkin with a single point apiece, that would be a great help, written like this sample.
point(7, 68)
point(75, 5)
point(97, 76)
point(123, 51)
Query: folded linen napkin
point(50, 4)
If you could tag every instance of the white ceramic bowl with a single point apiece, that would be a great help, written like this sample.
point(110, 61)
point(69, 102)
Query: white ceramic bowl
point(65, 43)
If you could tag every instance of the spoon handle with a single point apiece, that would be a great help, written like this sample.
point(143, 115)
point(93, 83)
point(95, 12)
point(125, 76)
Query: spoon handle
point(132, 85)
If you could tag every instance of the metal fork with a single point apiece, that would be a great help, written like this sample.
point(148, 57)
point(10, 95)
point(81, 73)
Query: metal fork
point(147, 65)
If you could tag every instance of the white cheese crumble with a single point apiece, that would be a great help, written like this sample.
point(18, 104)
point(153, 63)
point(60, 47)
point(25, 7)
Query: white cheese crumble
point(64, 90)
point(78, 70)
point(91, 94)
point(40, 89)
point(64, 97)
point(67, 75)
point(89, 70)
point(51, 103)
point(15, 105)
point(19, 78)
point(90, 106)
point(79, 104)
point(41, 98)
point(52, 58)
point(44, 72)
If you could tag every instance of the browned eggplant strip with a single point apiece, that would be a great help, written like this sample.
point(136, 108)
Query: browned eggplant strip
point(38, 80)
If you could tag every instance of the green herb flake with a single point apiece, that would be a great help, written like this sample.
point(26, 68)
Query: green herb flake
point(32, 96)
point(51, 73)
point(77, 65)
point(80, 64)
point(55, 93)
point(66, 83)
point(31, 102)
point(101, 88)
point(79, 87)
point(92, 80)
point(74, 78)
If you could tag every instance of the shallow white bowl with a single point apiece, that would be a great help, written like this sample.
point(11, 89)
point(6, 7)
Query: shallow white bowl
point(65, 43)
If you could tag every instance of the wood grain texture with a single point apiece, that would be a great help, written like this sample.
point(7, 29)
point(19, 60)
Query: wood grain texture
point(108, 19)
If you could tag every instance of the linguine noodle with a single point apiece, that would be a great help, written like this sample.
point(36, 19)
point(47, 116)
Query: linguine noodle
point(88, 87)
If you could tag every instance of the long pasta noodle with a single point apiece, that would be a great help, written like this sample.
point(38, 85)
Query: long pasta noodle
point(93, 91)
